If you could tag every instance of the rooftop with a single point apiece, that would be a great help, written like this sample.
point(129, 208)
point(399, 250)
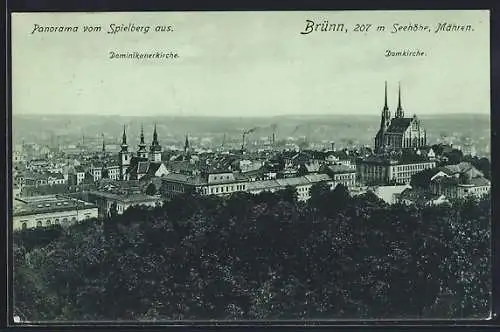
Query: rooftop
point(46, 204)
point(337, 169)
point(399, 125)
point(406, 158)
point(293, 181)
point(183, 178)
point(127, 198)
point(418, 196)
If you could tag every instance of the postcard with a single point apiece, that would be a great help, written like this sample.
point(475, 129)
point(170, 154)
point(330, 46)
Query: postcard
point(251, 166)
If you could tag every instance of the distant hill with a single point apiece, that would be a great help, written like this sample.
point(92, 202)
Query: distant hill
point(339, 128)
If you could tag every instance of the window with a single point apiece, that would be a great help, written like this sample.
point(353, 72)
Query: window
point(73, 219)
point(24, 225)
point(48, 223)
point(39, 223)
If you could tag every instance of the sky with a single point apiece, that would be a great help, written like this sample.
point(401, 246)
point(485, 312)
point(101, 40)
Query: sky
point(249, 64)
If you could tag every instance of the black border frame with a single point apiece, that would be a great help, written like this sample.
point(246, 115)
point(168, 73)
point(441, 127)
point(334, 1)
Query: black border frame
point(256, 5)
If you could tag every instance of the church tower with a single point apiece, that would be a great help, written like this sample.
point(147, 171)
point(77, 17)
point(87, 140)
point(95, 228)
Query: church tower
point(124, 156)
point(385, 120)
point(186, 145)
point(141, 152)
point(399, 111)
point(103, 144)
point(155, 149)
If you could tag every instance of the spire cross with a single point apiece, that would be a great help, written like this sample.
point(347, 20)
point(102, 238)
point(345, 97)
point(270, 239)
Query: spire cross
point(142, 134)
point(385, 102)
point(124, 136)
point(400, 113)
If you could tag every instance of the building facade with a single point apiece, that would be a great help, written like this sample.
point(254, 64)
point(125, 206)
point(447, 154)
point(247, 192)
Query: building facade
point(343, 174)
point(225, 183)
point(383, 170)
point(459, 181)
point(106, 200)
point(44, 211)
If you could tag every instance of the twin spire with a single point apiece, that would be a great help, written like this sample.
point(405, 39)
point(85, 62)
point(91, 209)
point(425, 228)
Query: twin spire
point(142, 143)
point(399, 109)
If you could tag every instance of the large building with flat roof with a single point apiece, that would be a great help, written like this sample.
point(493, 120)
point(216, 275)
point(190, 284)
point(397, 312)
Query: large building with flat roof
point(106, 200)
point(226, 183)
point(384, 170)
point(43, 211)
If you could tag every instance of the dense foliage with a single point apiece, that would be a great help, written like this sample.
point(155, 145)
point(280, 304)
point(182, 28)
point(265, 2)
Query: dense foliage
point(261, 257)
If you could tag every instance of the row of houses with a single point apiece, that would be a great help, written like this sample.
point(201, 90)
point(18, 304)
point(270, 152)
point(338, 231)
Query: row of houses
point(436, 186)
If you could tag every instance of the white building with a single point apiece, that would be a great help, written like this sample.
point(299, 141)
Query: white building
point(225, 183)
point(105, 201)
point(43, 211)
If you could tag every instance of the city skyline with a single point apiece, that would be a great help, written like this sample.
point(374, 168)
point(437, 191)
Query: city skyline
point(262, 67)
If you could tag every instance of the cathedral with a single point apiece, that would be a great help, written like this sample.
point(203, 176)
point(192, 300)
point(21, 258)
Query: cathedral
point(399, 132)
point(144, 162)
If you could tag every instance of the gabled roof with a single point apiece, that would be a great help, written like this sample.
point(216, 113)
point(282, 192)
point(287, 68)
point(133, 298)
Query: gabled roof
point(153, 168)
point(399, 125)
point(142, 167)
point(177, 166)
point(462, 168)
point(480, 181)
point(337, 169)
point(188, 179)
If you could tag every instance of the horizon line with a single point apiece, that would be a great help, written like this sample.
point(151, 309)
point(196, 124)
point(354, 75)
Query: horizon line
point(236, 115)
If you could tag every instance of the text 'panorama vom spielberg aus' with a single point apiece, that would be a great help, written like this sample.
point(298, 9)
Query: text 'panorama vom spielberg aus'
point(309, 27)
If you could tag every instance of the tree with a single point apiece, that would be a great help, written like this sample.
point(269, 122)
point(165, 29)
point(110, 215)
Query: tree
point(289, 194)
point(438, 149)
point(422, 179)
point(319, 195)
point(262, 257)
point(151, 189)
point(455, 156)
point(340, 196)
point(483, 165)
